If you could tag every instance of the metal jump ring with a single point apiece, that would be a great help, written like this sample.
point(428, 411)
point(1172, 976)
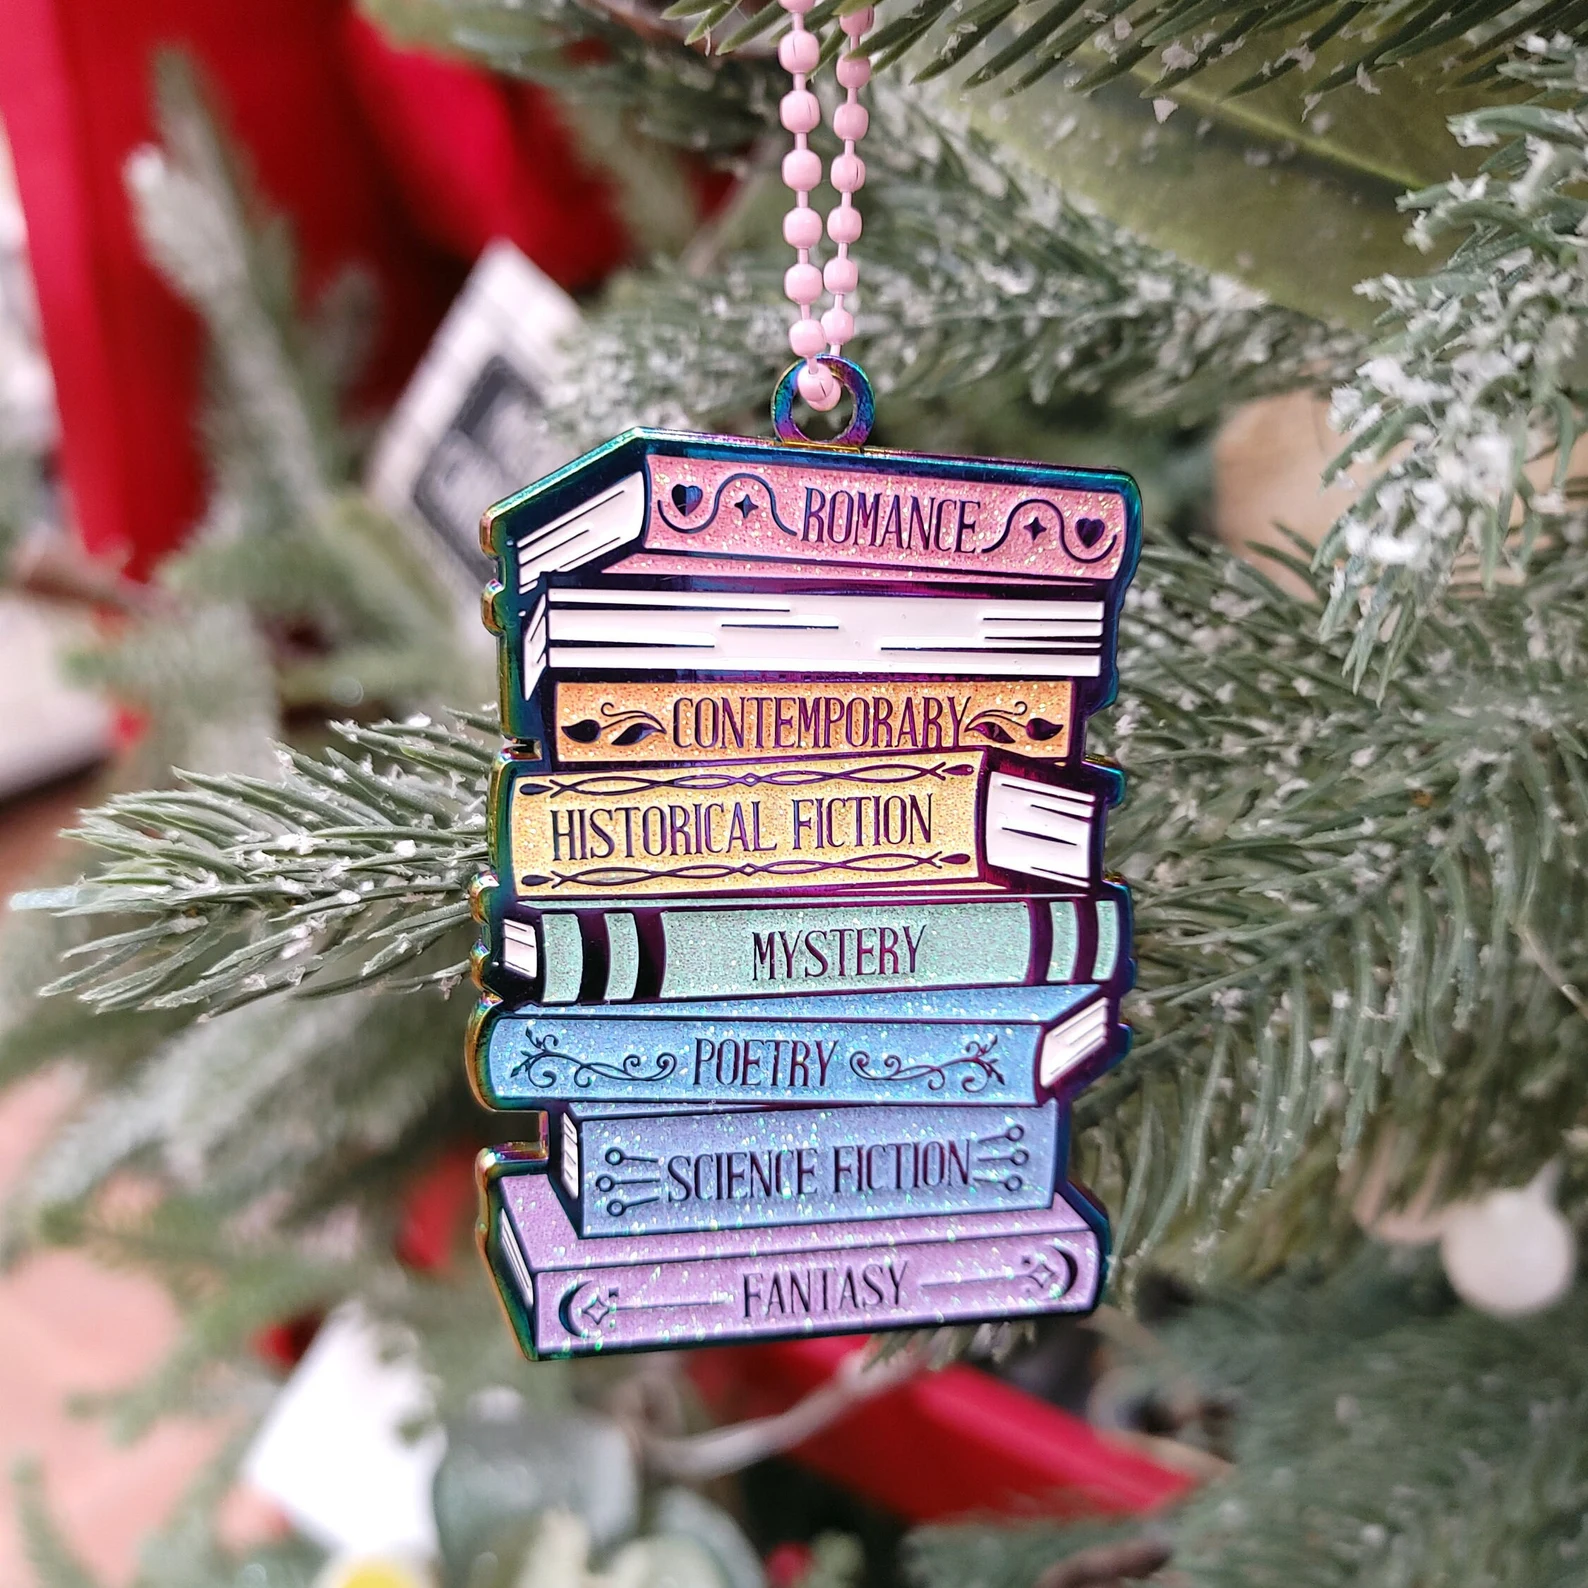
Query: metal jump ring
point(852, 378)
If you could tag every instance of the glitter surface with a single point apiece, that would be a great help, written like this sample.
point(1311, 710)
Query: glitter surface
point(910, 524)
point(798, 920)
point(637, 723)
point(645, 1174)
point(576, 1295)
point(974, 1046)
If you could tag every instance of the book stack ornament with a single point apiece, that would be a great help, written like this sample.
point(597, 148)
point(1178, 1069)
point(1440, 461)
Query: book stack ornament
point(798, 943)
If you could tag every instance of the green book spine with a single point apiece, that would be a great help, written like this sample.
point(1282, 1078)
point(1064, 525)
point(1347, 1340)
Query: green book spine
point(773, 947)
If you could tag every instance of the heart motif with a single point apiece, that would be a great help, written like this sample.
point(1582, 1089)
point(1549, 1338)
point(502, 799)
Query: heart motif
point(1089, 531)
point(686, 498)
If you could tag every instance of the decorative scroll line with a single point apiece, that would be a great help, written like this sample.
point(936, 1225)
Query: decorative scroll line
point(602, 1305)
point(618, 876)
point(681, 501)
point(611, 785)
point(542, 1065)
point(1051, 1267)
point(890, 1068)
point(995, 724)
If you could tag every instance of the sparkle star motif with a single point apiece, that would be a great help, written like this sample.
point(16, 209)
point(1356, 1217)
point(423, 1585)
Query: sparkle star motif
point(599, 1308)
point(1034, 526)
point(746, 506)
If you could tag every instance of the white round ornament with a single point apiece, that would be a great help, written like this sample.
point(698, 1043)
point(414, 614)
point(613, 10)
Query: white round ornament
point(1510, 1253)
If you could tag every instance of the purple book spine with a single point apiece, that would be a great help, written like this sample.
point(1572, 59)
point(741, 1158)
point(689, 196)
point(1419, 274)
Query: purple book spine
point(573, 1295)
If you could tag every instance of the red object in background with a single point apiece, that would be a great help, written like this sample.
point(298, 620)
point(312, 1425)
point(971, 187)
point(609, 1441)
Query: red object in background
point(787, 1564)
point(955, 1444)
point(436, 1208)
point(483, 157)
point(282, 1345)
point(287, 75)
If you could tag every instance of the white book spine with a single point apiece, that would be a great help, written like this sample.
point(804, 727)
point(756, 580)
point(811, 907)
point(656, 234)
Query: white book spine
point(602, 524)
point(1038, 829)
point(640, 630)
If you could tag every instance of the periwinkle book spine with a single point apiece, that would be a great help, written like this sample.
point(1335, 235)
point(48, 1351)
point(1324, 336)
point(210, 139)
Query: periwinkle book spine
point(647, 1174)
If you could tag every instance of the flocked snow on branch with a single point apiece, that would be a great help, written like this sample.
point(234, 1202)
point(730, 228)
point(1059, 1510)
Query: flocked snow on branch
point(230, 888)
point(1475, 377)
point(975, 267)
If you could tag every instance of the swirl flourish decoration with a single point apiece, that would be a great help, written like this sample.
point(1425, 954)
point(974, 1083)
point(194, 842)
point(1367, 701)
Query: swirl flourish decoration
point(624, 726)
point(543, 1065)
point(980, 1070)
point(741, 477)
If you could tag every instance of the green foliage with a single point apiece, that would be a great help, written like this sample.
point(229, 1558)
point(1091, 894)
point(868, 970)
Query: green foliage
point(1475, 375)
point(993, 1556)
point(617, 55)
point(1327, 43)
point(51, 1556)
point(1331, 1379)
point(1296, 201)
point(20, 487)
point(1387, 1437)
point(1350, 912)
point(977, 269)
point(837, 1561)
point(339, 872)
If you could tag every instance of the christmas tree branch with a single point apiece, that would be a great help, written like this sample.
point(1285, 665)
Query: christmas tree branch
point(1331, 895)
point(625, 56)
point(977, 267)
point(1474, 378)
point(345, 870)
point(287, 541)
point(1327, 43)
point(1387, 1435)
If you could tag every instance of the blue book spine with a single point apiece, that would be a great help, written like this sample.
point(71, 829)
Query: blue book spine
point(1009, 1046)
point(652, 1174)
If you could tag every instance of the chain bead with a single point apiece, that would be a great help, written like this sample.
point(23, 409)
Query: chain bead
point(802, 284)
point(843, 224)
point(802, 170)
point(819, 387)
point(807, 338)
point(850, 121)
point(800, 111)
point(799, 51)
point(840, 275)
point(802, 228)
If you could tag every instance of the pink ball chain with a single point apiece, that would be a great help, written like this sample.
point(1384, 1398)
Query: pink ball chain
point(801, 113)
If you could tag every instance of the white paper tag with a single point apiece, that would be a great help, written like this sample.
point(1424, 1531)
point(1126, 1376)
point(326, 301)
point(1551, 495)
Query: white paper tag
point(469, 429)
point(331, 1452)
point(49, 727)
